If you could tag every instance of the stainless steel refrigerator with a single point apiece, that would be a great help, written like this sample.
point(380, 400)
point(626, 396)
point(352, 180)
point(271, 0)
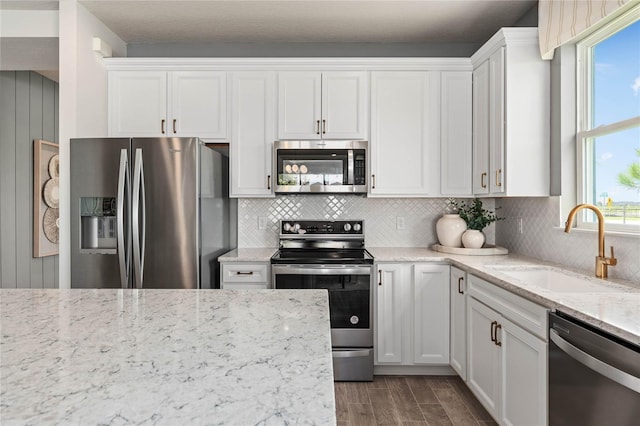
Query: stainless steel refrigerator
point(148, 213)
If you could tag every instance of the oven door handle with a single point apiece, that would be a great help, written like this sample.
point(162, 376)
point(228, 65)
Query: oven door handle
point(324, 270)
point(623, 378)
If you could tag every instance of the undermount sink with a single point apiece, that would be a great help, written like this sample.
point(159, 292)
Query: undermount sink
point(554, 279)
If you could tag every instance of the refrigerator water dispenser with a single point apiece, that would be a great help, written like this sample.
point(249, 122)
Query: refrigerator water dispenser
point(98, 225)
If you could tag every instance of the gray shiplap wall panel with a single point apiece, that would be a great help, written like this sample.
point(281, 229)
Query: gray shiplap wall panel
point(29, 110)
point(24, 183)
point(8, 178)
point(35, 132)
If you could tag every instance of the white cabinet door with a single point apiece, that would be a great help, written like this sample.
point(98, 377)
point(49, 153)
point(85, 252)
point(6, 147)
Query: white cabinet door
point(431, 314)
point(481, 104)
point(456, 135)
point(405, 148)
point(252, 119)
point(524, 376)
point(345, 103)
point(390, 306)
point(299, 105)
point(511, 111)
point(483, 368)
point(197, 104)
point(496, 120)
point(137, 103)
point(458, 337)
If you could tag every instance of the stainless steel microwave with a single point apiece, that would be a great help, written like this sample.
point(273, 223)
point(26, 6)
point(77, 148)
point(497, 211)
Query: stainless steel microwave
point(327, 167)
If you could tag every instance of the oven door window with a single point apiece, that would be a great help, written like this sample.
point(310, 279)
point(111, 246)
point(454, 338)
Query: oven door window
point(312, 167)
point(348, 296)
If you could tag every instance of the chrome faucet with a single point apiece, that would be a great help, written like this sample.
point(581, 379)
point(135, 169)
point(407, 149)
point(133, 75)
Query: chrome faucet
point(602, 262)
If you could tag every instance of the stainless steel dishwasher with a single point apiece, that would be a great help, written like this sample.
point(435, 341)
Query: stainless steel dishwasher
point(594, 377)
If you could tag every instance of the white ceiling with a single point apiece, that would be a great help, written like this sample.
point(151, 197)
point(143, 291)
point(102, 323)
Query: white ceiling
point(332, 21)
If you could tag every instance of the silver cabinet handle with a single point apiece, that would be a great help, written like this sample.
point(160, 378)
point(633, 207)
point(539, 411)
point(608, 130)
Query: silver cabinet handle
point(324, 127)
point(162, 126)
point(174, 126)
point(138, 242)
point(317, 127)
point(459, 285)
point(379, 277)
point(373, 181)
point(244, 273)
point(268, 181)
point(123, 185)
point(621, 377)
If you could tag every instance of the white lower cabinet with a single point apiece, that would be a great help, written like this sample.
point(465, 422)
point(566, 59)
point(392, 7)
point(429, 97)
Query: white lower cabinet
point(241, 275)
point(412, 314)
point(458, 338)
point(507, 359)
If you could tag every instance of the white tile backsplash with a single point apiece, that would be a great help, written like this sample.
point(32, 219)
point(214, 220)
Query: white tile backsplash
point(543, 238)
point(420, 216)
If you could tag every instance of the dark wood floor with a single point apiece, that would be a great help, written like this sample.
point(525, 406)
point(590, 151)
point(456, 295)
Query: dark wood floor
point(409, 401)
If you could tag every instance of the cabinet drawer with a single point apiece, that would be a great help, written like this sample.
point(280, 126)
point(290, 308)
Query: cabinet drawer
point(244, 273)
point(528, 315)
point(244, 286)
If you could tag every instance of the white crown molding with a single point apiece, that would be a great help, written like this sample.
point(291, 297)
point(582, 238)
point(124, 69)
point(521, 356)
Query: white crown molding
point(506, 36)
point(289, 64)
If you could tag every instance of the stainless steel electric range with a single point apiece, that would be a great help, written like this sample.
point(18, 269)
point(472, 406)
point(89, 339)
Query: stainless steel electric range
point(318, 254)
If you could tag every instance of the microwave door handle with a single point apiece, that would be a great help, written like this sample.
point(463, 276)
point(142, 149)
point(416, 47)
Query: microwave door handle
point(350, 167)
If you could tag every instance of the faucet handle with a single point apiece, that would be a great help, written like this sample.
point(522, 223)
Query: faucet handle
point(611, 260)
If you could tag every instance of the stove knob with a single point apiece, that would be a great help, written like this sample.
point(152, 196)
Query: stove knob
point(347, 227)
point(357, 227)
point(286, 227)
point(296, 227)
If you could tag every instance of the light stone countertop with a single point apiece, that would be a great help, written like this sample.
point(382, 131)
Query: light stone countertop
point(248, 255)
point(165, 357)
point(616, 311)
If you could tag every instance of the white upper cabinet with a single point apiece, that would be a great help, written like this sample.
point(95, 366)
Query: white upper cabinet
point(252, 118)
point(405, 133)
point(137, 103)
point(160, 103)
point(329, 105)
point(455, 133)
point(511, 115)
point(481, 129)
point(198, 104)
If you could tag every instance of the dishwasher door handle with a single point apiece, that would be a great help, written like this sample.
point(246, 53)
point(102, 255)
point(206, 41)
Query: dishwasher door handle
point(350, 354)
point(621, 377)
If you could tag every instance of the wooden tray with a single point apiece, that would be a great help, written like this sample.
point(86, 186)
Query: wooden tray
point(487, 250)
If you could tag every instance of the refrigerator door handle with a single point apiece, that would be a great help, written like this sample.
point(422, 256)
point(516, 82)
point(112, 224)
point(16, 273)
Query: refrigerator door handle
point(123, 183)
point(138, 243)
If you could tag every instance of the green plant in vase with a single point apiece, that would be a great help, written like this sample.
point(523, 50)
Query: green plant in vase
point(477, 218)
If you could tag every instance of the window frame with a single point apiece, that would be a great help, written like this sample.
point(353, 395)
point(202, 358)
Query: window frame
point(584, 131)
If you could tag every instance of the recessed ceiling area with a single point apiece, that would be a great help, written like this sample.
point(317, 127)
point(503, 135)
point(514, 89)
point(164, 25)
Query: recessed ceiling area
point(334, 21)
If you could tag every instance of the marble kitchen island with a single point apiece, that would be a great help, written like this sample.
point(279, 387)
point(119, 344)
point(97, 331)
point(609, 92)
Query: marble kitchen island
point(165, 357)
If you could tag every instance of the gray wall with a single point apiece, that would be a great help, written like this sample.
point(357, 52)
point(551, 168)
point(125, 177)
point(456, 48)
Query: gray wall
point(293, 50)
point(28, 111)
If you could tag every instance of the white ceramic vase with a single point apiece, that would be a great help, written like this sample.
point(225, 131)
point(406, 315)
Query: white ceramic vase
point(449, 229)
point(472, 238)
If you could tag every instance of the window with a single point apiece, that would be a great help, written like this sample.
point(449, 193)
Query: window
point(609, 124)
